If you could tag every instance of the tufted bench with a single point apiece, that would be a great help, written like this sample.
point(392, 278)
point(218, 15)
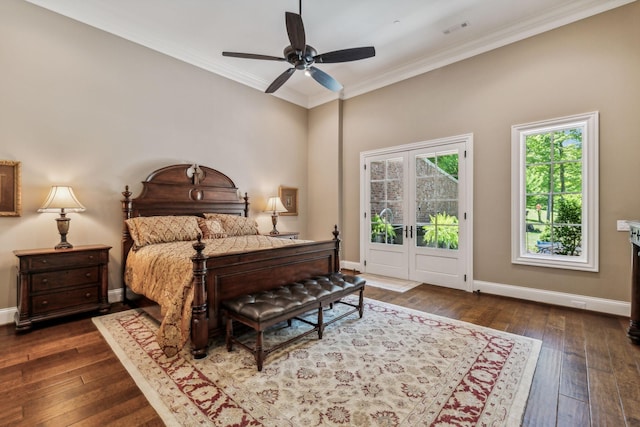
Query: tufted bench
point(264, 309)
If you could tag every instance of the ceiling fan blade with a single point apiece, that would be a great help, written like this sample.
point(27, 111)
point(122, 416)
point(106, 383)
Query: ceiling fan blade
point(280, 80)
point(346, 55)
point(252, 56)
point(325, 79)
point(295, 31)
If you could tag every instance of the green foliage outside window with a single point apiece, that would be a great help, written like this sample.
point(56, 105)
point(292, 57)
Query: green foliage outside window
point(381, 229)
point(568, 235)
point(442, 231)
point(554, 188)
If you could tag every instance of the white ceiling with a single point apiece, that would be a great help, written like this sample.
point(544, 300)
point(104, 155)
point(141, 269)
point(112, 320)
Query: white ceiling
point(409, 35)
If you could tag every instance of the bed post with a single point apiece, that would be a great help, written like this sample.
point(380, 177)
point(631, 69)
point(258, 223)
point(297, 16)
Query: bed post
point(336, 233)
point(246, 204)
point(199, 323)
point(126, 238)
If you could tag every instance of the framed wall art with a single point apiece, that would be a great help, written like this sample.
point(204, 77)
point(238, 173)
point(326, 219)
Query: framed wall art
point(10, 200)
point(289, 198)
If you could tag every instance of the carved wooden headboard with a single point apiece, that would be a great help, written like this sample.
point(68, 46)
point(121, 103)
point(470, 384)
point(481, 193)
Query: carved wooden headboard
point(182, 189)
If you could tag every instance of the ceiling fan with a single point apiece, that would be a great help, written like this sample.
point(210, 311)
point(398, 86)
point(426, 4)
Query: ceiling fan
point(303, 57)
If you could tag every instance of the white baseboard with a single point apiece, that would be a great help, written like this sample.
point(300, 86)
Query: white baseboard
point(7, 314)
point(115, 295)
point(350, 265)
point(602, 305)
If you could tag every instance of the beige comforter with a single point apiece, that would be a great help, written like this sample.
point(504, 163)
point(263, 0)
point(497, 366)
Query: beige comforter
point(163, 272)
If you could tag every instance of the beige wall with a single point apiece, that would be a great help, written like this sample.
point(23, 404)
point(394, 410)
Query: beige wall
point(324, 170)
point(590, 65)
point(79, 106)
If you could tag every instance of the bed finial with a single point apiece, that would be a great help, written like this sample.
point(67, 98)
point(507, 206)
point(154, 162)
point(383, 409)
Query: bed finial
point(195, 173)
point(126, 193)
point(126, 203)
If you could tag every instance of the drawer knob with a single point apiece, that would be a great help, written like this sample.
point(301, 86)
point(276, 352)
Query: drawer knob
point(45, 302)
point(87, 295)
point(45, 281)
point(88, 275)
point(44, 261)
point(90, 256)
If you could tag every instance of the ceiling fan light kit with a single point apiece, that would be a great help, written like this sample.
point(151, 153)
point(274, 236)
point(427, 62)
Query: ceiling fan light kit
point(301, 56)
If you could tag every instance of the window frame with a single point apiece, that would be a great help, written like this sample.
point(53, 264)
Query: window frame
point(589, 258)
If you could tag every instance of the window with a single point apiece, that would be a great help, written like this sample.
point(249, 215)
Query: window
point(554, 184)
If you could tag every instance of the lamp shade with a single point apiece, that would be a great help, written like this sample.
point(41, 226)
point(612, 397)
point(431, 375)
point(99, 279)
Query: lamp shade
point(61, 199)
point(274, 204)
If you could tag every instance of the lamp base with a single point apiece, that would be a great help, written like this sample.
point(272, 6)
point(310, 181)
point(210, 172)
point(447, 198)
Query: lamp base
point(63, 229)
point(64, 245)
point(274, 221)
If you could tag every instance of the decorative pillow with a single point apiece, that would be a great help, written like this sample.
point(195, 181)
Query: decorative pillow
point(162, 229)
point(235, 225)
point(211, 228)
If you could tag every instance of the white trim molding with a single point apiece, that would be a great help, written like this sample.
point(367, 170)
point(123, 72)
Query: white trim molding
point(588, 260)
point(7, 315)
point(602, 305)
point(351, 265)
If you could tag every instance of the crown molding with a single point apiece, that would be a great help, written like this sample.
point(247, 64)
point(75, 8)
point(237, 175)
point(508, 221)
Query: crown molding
point(554, 18)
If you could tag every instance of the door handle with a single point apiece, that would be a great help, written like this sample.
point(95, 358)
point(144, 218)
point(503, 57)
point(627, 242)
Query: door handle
point(408, 231)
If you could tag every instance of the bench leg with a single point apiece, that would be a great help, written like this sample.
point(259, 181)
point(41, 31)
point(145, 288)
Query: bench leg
point(229, 334)
point(259, 351)
point(361, 303)
point(320, 322)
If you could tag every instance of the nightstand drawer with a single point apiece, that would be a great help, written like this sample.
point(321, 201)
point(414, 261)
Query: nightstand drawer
point(42, 282)
point(66, 260)
point(56, 301)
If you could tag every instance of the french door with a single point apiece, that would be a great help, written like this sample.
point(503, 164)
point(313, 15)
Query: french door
point(416, 219)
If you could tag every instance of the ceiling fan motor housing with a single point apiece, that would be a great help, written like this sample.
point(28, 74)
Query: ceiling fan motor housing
point(300, 60)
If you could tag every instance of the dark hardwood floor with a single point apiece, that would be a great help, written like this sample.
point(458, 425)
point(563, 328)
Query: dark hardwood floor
point(588, 373)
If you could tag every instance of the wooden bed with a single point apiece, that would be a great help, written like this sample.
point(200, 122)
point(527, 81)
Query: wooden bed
point(185, 189)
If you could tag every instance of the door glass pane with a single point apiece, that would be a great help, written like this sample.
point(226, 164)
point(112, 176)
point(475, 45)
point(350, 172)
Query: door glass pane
point(386, 201)
point(437, 200)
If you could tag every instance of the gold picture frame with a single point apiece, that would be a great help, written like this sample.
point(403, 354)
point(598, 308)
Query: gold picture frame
point(10, 199)
point(289, 198)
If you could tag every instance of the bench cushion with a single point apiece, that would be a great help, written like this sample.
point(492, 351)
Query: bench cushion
point(265, 305)
point(262, 306)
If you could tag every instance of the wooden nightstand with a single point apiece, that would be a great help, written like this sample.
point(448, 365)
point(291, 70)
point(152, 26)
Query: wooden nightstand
point(285, 235)
point(54, 283)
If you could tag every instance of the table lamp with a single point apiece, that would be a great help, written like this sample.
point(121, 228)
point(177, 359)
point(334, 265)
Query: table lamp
point(61, 199)
point(274, 205)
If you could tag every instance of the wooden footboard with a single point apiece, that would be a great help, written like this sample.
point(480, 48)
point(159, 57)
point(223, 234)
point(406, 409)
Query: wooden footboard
point(228, 276)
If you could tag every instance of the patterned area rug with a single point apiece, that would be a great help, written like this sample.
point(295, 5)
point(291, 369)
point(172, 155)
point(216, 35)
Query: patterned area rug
point(393, 367)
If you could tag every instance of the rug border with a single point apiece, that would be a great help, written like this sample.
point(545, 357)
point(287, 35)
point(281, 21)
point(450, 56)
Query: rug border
point(154, 399)
point(516, 412)
point(519, 404)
